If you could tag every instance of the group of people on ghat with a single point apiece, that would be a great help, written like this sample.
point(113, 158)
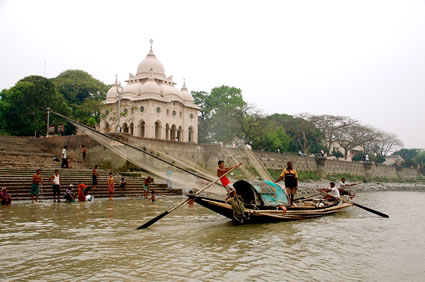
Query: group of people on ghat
point(83, 190)
point(290, 177)
point(56, 181)
point(66, 160)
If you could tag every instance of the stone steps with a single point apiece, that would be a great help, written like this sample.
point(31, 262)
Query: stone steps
point(18, 182)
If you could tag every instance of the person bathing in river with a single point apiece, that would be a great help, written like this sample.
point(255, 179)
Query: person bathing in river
point(83, 191)
point(69, 194)
point(221, 170)
point(291, 181)
point(148, 180)
point(5, 199)
point(111, 186)
point(55, 179)
point(36, 180)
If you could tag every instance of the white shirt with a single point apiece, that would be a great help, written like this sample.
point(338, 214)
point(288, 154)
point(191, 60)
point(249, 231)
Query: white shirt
point(56, 179)
point(64, 153)
point(334, 193)
point(343, 185)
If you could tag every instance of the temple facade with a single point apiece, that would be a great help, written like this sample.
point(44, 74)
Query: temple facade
point(151, 106)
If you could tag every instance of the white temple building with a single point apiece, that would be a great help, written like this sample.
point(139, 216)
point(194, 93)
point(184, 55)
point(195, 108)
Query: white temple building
point(151, 106)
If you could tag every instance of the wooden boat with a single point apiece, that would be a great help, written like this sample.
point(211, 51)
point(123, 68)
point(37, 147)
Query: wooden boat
point(265, 201)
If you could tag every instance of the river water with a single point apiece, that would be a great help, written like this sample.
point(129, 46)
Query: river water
point(98, 241)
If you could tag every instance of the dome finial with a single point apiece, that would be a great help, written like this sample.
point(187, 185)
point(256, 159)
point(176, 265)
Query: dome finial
point(151, 41)
point(184, 85)
point(116, 79)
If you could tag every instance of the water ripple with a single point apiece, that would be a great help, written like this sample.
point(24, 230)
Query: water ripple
point(98, 241)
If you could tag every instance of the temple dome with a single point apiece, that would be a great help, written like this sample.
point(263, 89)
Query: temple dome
point(150, 87)
point(133, 88)
point(112, 93)
point(151, 65)
point(186, 95)
point(170, 90)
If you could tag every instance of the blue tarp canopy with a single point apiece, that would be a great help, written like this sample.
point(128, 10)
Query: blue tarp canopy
point(268, 192)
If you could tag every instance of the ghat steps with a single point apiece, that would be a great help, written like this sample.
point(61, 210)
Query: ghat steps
point(18, 183)
point(21, 156)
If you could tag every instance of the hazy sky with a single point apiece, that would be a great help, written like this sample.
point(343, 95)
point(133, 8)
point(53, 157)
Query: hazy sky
point(363, 59)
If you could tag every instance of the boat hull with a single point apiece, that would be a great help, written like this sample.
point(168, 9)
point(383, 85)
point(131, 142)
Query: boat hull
point(271, 214)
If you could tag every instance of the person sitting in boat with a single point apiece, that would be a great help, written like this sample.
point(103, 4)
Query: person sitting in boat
point(332, 193)
point(221, 170)
point(291, 181)
point(342, 185)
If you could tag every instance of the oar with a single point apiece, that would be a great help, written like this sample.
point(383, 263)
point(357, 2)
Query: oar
point(303, 198)
point(365, 208)
point(155, 219)
point(370, 210)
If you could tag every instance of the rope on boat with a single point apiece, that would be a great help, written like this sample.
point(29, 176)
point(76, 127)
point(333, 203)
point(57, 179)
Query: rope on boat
point(238, 209)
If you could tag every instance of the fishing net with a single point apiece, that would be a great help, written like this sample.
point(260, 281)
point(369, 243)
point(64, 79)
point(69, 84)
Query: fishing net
point(179, 172)
point(155, 163)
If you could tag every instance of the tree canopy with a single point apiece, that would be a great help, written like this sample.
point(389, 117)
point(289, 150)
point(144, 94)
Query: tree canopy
point(22, 107)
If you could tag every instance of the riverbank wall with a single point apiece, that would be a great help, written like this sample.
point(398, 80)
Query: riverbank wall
point(205, 157)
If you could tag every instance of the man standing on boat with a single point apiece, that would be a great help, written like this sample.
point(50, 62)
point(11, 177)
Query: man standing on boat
point(224, 180)
point(291, 181)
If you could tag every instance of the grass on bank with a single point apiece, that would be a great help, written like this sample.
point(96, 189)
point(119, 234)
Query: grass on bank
point(314, 176)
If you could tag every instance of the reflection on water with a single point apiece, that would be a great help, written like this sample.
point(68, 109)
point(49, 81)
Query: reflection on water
point(98, 240)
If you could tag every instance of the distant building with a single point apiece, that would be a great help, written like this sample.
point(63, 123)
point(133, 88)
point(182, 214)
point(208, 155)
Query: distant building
point(393, 160)
point(335, 147)
point(151, 106)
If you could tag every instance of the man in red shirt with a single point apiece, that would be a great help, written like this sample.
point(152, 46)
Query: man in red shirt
point(221, 170)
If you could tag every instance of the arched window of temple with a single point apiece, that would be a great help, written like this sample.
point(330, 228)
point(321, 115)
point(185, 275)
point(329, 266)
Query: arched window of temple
point(125, 127)
point(158, 129)
point(131, 129)
point(190, 135)
point(142, 128)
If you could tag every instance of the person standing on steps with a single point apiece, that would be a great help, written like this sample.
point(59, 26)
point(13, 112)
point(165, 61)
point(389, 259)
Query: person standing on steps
point(94, 176)
point(55, 179)
point(83, 152)
point(36, 180)
point(64, 158)
point(291, 181)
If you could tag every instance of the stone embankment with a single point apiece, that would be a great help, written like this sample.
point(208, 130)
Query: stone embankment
point(310, 187)
point(205, 157)
point(21, 156)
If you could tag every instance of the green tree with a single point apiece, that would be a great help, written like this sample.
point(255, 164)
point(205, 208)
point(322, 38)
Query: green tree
point(407, 154)
point(21, 107)
point(83, 93)
point(304, 135)
point(420, 160)
point(78, 85)
point(219, 118)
